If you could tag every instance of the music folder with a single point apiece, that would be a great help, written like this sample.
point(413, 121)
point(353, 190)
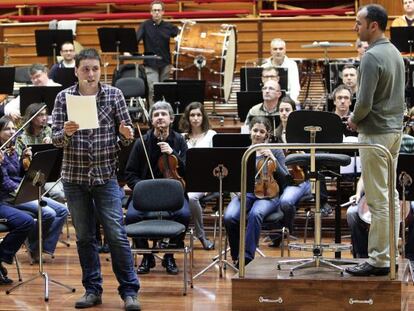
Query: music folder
point(66, 77)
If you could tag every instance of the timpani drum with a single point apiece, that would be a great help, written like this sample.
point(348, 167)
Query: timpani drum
point(207, 52)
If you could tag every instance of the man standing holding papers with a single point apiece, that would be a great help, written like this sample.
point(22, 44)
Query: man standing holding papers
point(89, 179)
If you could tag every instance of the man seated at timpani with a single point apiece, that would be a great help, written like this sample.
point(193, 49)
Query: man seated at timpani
point(160, 140)
point(39, 77)
point(279, 59)
point(271, 94)
point(408, 18)
point(260, 203)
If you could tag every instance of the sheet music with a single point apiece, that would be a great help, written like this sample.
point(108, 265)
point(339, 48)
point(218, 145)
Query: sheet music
point(82, 110)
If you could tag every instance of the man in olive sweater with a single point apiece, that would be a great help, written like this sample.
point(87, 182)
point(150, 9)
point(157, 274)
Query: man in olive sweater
point(378, 118)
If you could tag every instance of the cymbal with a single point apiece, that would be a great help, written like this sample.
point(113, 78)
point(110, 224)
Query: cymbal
point(326, 44)
point(9, 44)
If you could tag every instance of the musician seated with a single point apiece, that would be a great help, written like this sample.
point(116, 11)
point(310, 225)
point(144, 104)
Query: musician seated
point(408, 18)
point(53, 215)
point(39, 77)
point(271, 93)
point(271, 166)
point(67, 51)
point(159, 142)
point(350, 78)
point(39, 132)
point(279, 59)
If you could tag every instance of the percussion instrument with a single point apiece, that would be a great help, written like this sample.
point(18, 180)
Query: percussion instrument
point(326, 44)
point(207, 52)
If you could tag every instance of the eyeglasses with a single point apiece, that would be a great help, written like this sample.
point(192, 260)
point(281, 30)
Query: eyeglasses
point(67, 51)
point(269, 77)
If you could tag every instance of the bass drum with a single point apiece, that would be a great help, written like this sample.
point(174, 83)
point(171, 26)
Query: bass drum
point(207, 52)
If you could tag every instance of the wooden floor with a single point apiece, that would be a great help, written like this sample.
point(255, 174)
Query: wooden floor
point(159, 291)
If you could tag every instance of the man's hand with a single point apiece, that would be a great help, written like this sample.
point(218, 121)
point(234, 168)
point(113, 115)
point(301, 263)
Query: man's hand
point(70, 127)
point(165, 147)
point(351, 125)
point(126, 130)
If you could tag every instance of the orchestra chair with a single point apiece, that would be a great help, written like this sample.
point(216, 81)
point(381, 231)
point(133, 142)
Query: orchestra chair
point(134, 91)
point(5, 229)
point(22, 75)
point(158, 197)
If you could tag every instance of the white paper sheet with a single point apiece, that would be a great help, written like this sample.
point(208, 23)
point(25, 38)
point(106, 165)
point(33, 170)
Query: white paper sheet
point(82, 110)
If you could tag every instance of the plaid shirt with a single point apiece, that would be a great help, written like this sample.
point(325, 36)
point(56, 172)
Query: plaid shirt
point(90, 156)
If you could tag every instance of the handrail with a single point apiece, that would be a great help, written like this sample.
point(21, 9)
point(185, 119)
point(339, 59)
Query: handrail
point(348, 146)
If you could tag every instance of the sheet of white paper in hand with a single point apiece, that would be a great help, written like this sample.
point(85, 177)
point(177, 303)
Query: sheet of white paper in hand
point(82, 110)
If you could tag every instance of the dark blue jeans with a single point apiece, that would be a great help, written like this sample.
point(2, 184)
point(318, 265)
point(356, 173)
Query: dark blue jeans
point(257, 210)
point(19, 223)
point(81, 201)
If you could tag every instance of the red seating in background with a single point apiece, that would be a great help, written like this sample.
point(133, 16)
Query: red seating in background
point(312, 12)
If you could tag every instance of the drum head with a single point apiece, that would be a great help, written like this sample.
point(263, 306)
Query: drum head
point(207, 52)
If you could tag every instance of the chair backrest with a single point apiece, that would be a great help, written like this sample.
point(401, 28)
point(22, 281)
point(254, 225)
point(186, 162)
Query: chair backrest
point(22, 75)
point(131, 87)
point(158, 195)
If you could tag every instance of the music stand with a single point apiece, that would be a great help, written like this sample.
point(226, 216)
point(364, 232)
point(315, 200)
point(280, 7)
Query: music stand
point(118, 40)
point(317, 127)
point(180, 93)
point(38, 94)
point(251, 78)
point(30, 189)
point(231, 140)
point(403, 39)
point(220, 168)
point(245, 101)
point(48, 42)
point(7, 80)
point(65, 77)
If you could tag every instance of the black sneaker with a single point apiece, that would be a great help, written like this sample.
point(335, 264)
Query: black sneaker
point(169, 264)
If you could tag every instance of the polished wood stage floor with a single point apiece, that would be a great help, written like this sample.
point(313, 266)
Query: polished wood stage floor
point(159, 291)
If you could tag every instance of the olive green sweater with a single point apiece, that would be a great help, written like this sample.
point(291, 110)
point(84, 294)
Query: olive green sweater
point(380, 99)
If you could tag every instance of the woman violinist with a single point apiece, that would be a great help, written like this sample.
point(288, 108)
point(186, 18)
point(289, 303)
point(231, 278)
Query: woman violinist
point(257, 208)
point(53, 215)
point(196, 131)
point(158, 142)
point(292, 193)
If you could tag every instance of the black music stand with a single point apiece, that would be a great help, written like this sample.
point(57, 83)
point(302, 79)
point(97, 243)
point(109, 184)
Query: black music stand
point(66, 77)
point(245, 101)
point(317, 127)
point(231, 140)
point(251, 78)
point(403, 38)
point(220, 170)
point(31, 189)
point(48, 42)
point(38, 94)
point(180, 93)
point(7, 80)
point(118, 40)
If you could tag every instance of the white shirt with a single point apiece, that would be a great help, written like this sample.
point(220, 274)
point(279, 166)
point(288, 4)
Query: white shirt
point(13, 106)
point(204, 141)
point(293, 87)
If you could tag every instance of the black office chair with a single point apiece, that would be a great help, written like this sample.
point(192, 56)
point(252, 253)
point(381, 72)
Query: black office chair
point(134, 90)
point(160, 196)
point(22, 75)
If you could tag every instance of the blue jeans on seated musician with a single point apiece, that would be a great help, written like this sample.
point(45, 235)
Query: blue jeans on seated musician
point(257, 210)
point(53, 219)
point(182, 216)
point(20, 224)
point(103, 201)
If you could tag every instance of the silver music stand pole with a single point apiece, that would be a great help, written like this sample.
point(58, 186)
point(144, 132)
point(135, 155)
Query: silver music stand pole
point(38, 181)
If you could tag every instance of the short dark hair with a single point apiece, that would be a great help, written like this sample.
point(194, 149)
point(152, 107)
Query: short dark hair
point(157, 2)
point(87, 54)
point(376, 13)
point(4, 120)
point(185, 125)
point(349, 66)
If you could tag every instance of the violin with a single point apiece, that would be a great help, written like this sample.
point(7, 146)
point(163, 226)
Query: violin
point(168, 164)
point(265, 186)
point(26, 158)
point(296, 172)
